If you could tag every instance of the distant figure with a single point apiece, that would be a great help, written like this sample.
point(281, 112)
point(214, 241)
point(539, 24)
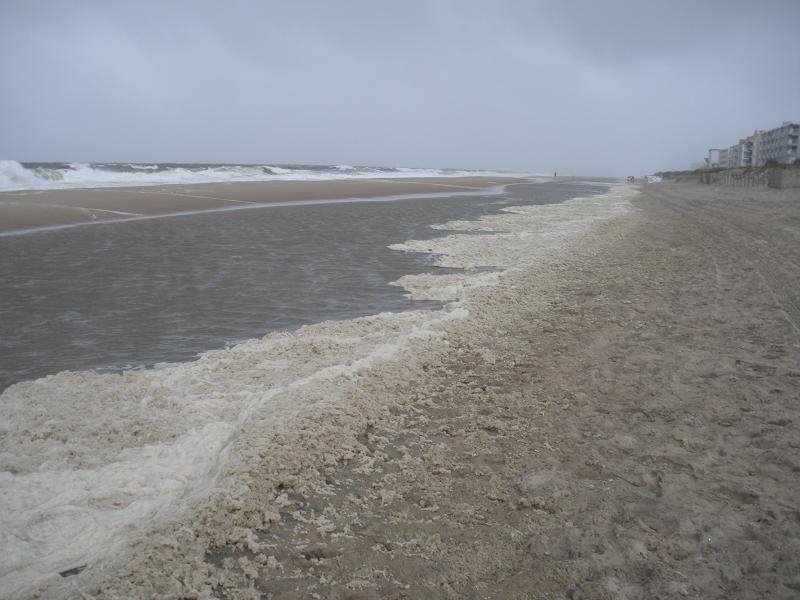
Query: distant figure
point(555, 174)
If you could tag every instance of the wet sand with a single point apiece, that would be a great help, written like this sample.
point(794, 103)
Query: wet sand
point(36, 209)
point(616, 421)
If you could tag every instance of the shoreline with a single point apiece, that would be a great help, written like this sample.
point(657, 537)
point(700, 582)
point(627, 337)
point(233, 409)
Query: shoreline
point(194, 423)
point(30, 211)
point(611, 422)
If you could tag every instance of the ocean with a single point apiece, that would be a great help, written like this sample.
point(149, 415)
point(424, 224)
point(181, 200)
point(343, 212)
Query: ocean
point(16, 176)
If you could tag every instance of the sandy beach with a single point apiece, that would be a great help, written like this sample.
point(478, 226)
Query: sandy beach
point(614, 420)
point(32, 209)
point(399, 301)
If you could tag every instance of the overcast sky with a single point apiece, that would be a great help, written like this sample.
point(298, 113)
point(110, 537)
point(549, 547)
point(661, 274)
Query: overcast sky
point(598, 87)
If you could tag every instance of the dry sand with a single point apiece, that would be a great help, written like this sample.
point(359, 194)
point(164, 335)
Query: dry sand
point(618, 421)
point(34, 209)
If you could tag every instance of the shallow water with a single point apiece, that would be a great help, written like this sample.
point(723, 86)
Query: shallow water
point(113, 296)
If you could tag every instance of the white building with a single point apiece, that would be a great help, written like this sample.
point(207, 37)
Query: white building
point(724, 158)
point(780, 144)
point(757, 138)
point(734, 156)
point(712, 162)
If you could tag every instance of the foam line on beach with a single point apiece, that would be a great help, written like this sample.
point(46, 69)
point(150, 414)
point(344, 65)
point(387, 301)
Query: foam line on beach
point(91, 462)
point(114, 452)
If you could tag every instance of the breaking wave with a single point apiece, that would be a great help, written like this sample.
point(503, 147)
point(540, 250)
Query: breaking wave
point(16, 176)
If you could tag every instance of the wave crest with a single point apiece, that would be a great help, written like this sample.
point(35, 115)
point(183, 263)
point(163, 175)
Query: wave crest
point(16, 176)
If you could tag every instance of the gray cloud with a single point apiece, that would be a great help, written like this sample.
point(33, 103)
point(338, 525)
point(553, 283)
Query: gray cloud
point(587, 87)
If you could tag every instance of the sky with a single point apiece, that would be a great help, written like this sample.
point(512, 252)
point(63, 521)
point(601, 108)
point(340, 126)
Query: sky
point(606, 87)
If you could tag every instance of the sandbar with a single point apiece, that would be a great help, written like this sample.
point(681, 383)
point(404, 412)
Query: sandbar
point(38, 209)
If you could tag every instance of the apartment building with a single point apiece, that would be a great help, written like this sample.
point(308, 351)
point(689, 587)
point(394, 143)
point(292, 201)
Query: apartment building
point(724, 158)
point(734, 156)
point(745, 152)
point(757, 138)
point(779, 144)
point(712, 161)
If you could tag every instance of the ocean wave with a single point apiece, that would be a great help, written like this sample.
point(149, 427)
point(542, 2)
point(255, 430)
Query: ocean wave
point(15, 176)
